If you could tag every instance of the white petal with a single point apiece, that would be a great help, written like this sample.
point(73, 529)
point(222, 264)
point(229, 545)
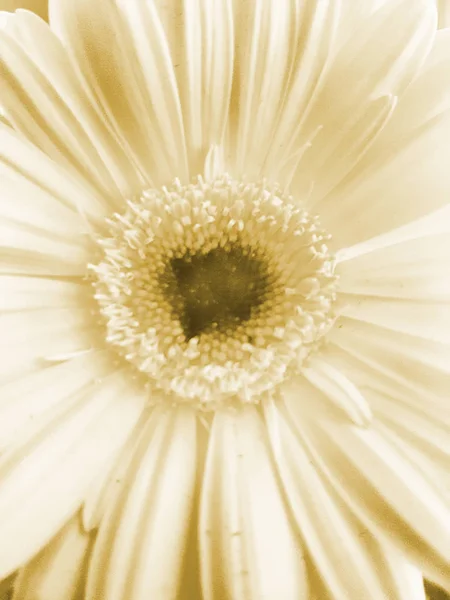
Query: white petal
point(350, 561)
point(59, 570)
point(44, 482)
point(30, 293)
point(43, 97)
point(384, 489)
point(367, 70)
point(200, 36)
point(31, 338)
point(264, 45)
point(39, 396)
point(339, 390)
point(413, 362)
point(141, 542)
point(247, 545)
point(121, 49)
point(19, 159)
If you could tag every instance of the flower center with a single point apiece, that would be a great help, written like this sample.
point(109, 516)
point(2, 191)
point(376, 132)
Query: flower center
point(215, 290)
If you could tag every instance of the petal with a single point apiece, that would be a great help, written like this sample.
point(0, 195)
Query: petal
point(383, 488)
point(36, 337)
point(58, 571)
point(37, 6)
point(121, 49)
point(247, 545)
point(44, 98)
point(31, 293)
point(45, 480)
point(350, 561)
point(203, 61)
point(37, 397)
point(26, 165)
point(415, 363)
point(141, 541)
point(368, 71)
point(265, 40)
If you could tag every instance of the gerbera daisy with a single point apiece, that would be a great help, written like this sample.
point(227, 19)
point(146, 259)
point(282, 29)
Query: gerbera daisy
point(225, 306)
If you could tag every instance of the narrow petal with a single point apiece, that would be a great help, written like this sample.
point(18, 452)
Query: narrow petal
point(45, 480)
point(37, 397)
point(141, 542)
point(21, 159)
point(44, 98)
point(350, 561)
point(59, 570)
point(339, 390)
point(368, 72)
point(413, 362)
point(132, 78)
point(37, 337)
point(265, 38)
point(203, 62)
point(247, 545)
point(383, 488)
point(31, 293)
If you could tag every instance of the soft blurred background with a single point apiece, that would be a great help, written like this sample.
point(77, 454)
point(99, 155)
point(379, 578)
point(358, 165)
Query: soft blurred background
point(40, 8)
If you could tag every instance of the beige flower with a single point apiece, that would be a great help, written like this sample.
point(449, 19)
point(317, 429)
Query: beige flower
point(225, 306)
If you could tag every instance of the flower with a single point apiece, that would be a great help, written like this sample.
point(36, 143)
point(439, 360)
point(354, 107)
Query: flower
point(225, 307)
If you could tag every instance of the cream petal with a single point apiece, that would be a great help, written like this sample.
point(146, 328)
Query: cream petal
point(201, 41)
point(383, 488)
point(45, 481)
point(140, 546)
point(23, 162)
point(350, 561)
point(30, 293)
point(426, 97)
point(266, 35)
point(39, 396)
point(43, 97)
point(58, 571)
point(417, 318)
point(339, 390)
point(247, 546)
point(132, 79)
point(37, 337)
point(405, 183)
point(415, 270)
point(368, 71)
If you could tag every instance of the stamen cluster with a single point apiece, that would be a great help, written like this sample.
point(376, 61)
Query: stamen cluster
point(227, 361)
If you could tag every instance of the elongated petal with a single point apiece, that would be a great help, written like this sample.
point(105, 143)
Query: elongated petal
point(132, 79)
point(201, 41)
point(351, 562)
point(368, 71)
point(44, 98)
point(58, 571)
point(141, 542)
point(247, 546)
point(45, 480)
point(382, 487)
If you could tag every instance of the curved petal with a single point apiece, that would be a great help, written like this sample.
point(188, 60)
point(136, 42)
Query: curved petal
point(247, 546)
point(141, 541)
point(132, 78)
point(371, 75)
point(350, 561)
point(382, 487)
point(201, 40)
point(44, 98)
point(59, 570)
point(45, 480)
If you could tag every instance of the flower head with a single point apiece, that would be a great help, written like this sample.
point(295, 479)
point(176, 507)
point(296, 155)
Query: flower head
point(224, 240)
